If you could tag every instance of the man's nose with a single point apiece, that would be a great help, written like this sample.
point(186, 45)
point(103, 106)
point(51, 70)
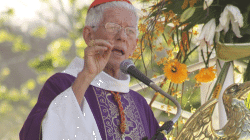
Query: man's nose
point(122, 35)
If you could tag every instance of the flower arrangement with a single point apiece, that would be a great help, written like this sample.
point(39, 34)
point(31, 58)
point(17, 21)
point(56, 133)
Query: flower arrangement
point(173, 30)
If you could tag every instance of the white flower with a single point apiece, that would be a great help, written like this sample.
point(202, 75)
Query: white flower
point(208, 31)
point(231, 13)
point(207, 3)
point(197, 31)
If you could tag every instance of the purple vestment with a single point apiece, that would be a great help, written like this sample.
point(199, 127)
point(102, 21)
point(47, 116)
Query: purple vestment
point(140, 119)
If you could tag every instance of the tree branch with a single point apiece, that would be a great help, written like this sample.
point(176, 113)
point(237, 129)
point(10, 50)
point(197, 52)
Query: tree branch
point(64, 11)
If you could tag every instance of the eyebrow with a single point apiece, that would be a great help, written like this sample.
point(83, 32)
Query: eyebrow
point(119, 24)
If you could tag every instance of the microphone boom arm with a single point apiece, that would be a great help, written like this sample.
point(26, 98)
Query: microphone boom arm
point(158, 89)
point(167, 126)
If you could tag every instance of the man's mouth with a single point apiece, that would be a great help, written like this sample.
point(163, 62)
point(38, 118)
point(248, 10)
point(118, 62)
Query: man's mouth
point(118, 52)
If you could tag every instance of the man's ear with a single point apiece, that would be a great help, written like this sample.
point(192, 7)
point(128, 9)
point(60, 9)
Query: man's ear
point(88, 34)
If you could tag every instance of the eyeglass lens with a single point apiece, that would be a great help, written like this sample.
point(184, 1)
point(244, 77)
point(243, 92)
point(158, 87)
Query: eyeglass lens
point(115, 28)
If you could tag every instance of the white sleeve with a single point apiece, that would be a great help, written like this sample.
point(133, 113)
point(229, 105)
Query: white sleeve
point(64, 119)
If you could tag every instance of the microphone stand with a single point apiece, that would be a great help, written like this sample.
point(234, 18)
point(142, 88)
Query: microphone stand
point(167, 126)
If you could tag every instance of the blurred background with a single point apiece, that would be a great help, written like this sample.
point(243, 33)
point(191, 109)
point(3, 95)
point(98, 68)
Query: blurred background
point(39, 38)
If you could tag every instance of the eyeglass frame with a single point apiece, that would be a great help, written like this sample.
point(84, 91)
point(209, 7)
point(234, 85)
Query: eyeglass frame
point(119, 28)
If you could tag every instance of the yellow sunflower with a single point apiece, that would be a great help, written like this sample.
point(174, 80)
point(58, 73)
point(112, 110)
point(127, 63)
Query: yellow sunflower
point(175, 71)
point(206, 75)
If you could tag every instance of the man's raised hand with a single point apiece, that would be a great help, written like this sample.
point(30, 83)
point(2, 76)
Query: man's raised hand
point(96, 56)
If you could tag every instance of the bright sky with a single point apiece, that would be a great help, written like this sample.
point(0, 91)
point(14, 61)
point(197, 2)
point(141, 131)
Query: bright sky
point(27, 11)
point(24, 9)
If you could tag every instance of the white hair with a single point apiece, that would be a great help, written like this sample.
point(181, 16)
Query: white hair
point(95, 14)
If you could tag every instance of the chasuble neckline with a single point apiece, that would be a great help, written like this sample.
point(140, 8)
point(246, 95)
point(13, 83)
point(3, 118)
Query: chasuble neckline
point(102, 80)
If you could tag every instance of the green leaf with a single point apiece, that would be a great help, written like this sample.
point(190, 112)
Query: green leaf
point(65, 44)
point(44, 65)
point(201, 16)
point(73, 35)
point(2, 20)
point(10, 11)
point(13, 95)
point(18, 45)
point(41, 79)
point(72, 2)
point(3, 89)
point(5, 107)
point(247, 73)
point(33, 101)
point(187, 14)
point(5, 36)
point(80, 52)
point(31, 84)
point(59, 45)
point(80, 43)
point(39, 32)
point(236, 69)
point(5, 71)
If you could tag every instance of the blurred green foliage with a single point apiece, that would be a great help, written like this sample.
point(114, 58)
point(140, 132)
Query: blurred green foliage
point(55, 57)
point(5, 36)
point(17, 102)
point(40, 31)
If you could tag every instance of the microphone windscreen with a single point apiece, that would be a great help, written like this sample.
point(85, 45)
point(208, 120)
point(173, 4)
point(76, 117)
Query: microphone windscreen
point(125, 65)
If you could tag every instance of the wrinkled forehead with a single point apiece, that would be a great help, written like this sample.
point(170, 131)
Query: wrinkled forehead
point(120, 16)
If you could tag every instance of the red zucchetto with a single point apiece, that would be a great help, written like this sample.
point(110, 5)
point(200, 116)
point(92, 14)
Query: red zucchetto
point(98, 2)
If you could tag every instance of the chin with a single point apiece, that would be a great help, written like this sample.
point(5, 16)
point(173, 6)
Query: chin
point(114, 64)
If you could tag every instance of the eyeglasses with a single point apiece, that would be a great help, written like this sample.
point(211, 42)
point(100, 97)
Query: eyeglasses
point(115, 28)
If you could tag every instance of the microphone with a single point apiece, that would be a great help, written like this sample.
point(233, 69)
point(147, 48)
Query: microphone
point(127, 66)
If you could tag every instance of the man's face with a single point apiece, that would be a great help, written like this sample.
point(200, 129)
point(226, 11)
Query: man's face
point(120, 40)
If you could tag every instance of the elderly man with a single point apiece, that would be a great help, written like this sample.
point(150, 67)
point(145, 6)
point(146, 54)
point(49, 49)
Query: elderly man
point(91, 98)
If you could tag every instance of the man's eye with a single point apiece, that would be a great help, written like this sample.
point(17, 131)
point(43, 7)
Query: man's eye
point(130, 31)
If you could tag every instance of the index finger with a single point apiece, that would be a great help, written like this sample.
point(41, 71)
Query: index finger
point(102, 42)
